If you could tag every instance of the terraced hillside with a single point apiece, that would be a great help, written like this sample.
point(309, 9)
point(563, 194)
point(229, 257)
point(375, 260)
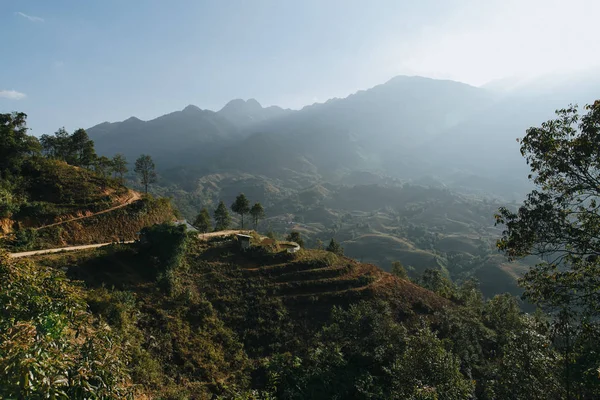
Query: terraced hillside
point(225, 307)
point(310, 282)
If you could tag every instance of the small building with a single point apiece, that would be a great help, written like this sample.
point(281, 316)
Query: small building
point(290, 247)
point(189, 227)
point(244, 240)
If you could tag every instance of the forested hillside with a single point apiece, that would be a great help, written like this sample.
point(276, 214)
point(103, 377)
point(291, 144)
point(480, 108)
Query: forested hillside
point(56, 192)
point(299, 311)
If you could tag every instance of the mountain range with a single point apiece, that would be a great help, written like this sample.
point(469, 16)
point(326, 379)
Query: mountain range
point(411, 128)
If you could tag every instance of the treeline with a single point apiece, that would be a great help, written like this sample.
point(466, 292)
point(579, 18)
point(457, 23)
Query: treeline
point(76, 149)
point(222, 219)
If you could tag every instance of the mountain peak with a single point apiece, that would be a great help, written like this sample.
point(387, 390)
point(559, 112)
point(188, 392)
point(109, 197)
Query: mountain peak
point(240, 105)
point(192, 108)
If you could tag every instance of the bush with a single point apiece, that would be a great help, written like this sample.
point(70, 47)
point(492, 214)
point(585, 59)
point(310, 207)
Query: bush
point(50, 346)
point(165, 245)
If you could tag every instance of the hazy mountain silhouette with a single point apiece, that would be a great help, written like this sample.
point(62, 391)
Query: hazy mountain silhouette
point(408, 127)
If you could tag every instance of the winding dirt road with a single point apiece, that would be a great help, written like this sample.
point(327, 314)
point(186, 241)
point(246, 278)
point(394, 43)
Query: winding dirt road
point(134, 196)
point(57, 250)
point(93, 246)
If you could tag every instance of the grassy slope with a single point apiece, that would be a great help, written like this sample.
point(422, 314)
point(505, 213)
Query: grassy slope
point(229, 308)
point(54, 192)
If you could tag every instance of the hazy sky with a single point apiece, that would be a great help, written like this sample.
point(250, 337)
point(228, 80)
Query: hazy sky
point(78, 63)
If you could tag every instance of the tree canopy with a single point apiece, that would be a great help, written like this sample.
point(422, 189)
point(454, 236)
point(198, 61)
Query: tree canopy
point(222, 217)
point(15, 143)
point(145, 168)
point(202, 221)
point(241, 206)
point(119, 165)
point(559, 223)
point(257, 212)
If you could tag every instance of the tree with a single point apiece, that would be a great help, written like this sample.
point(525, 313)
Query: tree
point(119, 165)
point(434, 280)
point(103, 166)
point(241, 206)
point(335, 247)
point(81, 152)
point(398, 270)
point(295, 237)
point(57, 146)
point(145, 168)
point(257, 212)
point(202, 221)
point(15, 143)
point(559, 222)
point(222, 218)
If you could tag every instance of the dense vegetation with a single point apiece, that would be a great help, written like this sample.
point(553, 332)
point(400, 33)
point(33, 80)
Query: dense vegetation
point(54, 191)
point(176, 316)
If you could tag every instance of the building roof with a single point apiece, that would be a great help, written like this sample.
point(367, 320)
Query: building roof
point(187, 225)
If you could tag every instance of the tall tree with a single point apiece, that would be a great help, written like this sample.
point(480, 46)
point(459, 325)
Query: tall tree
point(81, 152)
point(241, 206)
point(57, 146)
point(295, 237)
point(335, 247)
point(103, 166)
point(560, 220)
point(222, 218)
point(202, 221)
point(119, 164)
point(559, 223)
point(399, 270)
point(145, 168)
point(15, 143)
point(257, 212)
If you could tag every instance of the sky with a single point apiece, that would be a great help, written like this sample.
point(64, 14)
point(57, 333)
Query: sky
point(79, 63)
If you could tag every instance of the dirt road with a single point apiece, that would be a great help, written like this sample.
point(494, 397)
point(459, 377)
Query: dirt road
point(93, 246)
point(48, 251)
point(134, 196)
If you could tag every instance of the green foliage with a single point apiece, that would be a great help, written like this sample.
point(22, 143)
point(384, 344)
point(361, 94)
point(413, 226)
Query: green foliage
point(257, 212)
point(560, 223)
point(50, 347)
point(434, 280)
point(103, 166)
point(165, 246)
point(387, 362)
point(241, 206)
point(146, 170)
point(222, 218)
point(202, 221)
point(76, 149)
point(335, 247)
point(119, 166)
point(295, 237)
point(15, 144)
point(398, 270)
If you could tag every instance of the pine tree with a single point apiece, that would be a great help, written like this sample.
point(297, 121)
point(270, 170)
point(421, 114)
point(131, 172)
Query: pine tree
point(241, 206)
point(257, 212)
point(119, 165)
point(222, 218)
point(335, 247)
point(145, 168)
point(202, 221)
point(295, 237)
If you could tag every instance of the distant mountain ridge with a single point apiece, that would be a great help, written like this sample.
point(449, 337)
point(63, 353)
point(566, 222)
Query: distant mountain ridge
point(408, 127)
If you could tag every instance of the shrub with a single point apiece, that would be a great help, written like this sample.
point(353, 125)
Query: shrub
point(50, 346)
